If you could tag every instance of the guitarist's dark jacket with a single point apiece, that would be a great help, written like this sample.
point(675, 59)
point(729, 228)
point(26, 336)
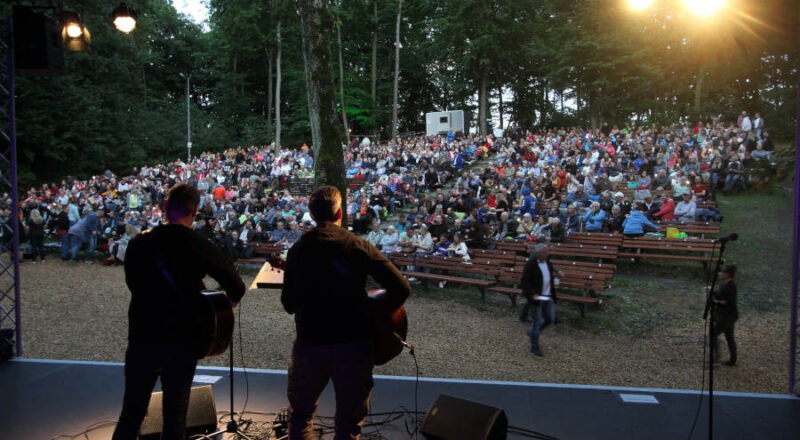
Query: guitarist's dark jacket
point(158, 312)
point(324, 285)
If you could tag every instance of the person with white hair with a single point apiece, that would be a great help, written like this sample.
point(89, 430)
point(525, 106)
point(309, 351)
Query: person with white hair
point(389, 241)
point(594, 219)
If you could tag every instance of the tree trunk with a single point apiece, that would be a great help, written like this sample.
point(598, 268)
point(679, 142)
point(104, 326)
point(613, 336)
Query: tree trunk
point(500, 104)
point(341, 84)
point(396, 68)
point(278, 81)
point(482, 104)
point(698, 90)
point(270, 92)
point(317, 25)
point(374, 74)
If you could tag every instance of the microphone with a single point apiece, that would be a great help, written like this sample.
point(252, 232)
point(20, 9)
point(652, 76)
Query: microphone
point(730, 237)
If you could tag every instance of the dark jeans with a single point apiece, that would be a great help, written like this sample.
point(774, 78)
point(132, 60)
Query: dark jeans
point(724, 326)
point(543, 313)
point(175, 364)
point(349, 366)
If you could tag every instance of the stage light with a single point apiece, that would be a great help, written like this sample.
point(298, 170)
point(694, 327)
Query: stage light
point(124, 18)
point(74, 34)
point(640, 4)
point(704, 8)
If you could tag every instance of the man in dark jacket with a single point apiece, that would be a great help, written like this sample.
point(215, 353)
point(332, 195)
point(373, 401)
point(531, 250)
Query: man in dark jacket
point(539, 289)
point(324, 287)
point(164, 269)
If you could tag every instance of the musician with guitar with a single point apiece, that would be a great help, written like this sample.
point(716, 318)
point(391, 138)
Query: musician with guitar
point(170, 319)
point(324, 287)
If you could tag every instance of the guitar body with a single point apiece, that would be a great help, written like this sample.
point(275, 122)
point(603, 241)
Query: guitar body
point(215, 323)
point(389, 329)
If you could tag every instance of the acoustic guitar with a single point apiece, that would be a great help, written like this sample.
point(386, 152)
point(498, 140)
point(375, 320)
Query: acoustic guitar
point(390, 329)
point(214, 321)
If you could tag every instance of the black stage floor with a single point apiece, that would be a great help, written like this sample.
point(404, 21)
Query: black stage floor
point(46, 399)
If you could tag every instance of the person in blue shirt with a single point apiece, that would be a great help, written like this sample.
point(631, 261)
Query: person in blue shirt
point(637, 222)
point(595, 218)
point(84, 232)
point(528, 203)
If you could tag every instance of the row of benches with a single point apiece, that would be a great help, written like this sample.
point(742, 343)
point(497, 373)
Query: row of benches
point(608, 247)
point(500, 272)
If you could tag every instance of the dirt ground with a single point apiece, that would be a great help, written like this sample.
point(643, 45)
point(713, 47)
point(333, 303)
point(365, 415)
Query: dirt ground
point(78, 311)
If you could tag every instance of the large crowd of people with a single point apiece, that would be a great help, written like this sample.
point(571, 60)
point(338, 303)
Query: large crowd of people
point(450, 188)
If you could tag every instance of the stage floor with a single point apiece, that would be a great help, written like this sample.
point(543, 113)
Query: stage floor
point(49, 399)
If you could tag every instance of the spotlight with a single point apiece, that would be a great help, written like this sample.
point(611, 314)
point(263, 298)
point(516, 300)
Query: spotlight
point(124, 18)
point(74, 34)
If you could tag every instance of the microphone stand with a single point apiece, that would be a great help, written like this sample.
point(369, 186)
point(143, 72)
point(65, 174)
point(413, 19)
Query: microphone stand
point(709, 307)
point(233, 425)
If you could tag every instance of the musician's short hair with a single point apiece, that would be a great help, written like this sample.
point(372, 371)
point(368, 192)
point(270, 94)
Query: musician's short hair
point(182, 200)
point(325, 203)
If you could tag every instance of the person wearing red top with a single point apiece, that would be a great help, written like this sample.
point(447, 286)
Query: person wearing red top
point(219, 192)
point(667, 211)
point(699, 188)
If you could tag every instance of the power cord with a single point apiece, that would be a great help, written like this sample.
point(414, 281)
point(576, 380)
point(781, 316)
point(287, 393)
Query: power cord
point(85, 433)
point(244, 368)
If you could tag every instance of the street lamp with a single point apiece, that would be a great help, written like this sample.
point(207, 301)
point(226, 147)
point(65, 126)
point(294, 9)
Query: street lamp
point(188, 76)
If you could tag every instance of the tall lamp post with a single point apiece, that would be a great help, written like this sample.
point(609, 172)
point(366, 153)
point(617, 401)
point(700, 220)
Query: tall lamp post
point(188, 77)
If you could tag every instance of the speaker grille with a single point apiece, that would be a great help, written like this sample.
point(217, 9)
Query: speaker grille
point(201, 418)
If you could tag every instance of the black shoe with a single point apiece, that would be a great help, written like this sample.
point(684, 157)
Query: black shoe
point(729, 364)
point(537, 352)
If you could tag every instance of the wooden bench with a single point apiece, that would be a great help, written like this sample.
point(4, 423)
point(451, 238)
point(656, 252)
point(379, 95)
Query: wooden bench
point(301, 186)
point(600, 271)
point(403, 261)
point(585, 251)
point(451, 270)
point(695, 228)
point(261, 252)
point(689, 249)
point(493, 256)
point(509, 285)
point(595, 238)
point(355, 183)
point(520, 247)
point(706, 204)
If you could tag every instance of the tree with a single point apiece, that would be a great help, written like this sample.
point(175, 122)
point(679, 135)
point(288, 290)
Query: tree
point(396, 68)
point(317, 24)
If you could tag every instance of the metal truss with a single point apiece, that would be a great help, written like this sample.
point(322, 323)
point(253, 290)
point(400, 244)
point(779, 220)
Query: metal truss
point(9, 238)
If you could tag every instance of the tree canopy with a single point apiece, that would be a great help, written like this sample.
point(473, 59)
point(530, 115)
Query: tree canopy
point(540, 63)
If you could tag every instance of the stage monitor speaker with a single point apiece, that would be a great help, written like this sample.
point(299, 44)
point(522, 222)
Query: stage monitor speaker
point(451, 418)
point(201, 418)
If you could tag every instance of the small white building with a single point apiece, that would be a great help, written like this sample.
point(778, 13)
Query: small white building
point(442, 122)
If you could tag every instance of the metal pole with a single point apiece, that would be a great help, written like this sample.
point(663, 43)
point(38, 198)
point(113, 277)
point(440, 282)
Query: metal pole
point(188, 121)
point(794, 357)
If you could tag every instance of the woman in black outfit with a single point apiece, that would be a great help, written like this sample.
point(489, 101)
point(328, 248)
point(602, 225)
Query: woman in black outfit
point(725, 312)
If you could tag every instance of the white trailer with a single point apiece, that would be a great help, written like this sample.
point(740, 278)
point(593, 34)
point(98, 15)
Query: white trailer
point(442, 122)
